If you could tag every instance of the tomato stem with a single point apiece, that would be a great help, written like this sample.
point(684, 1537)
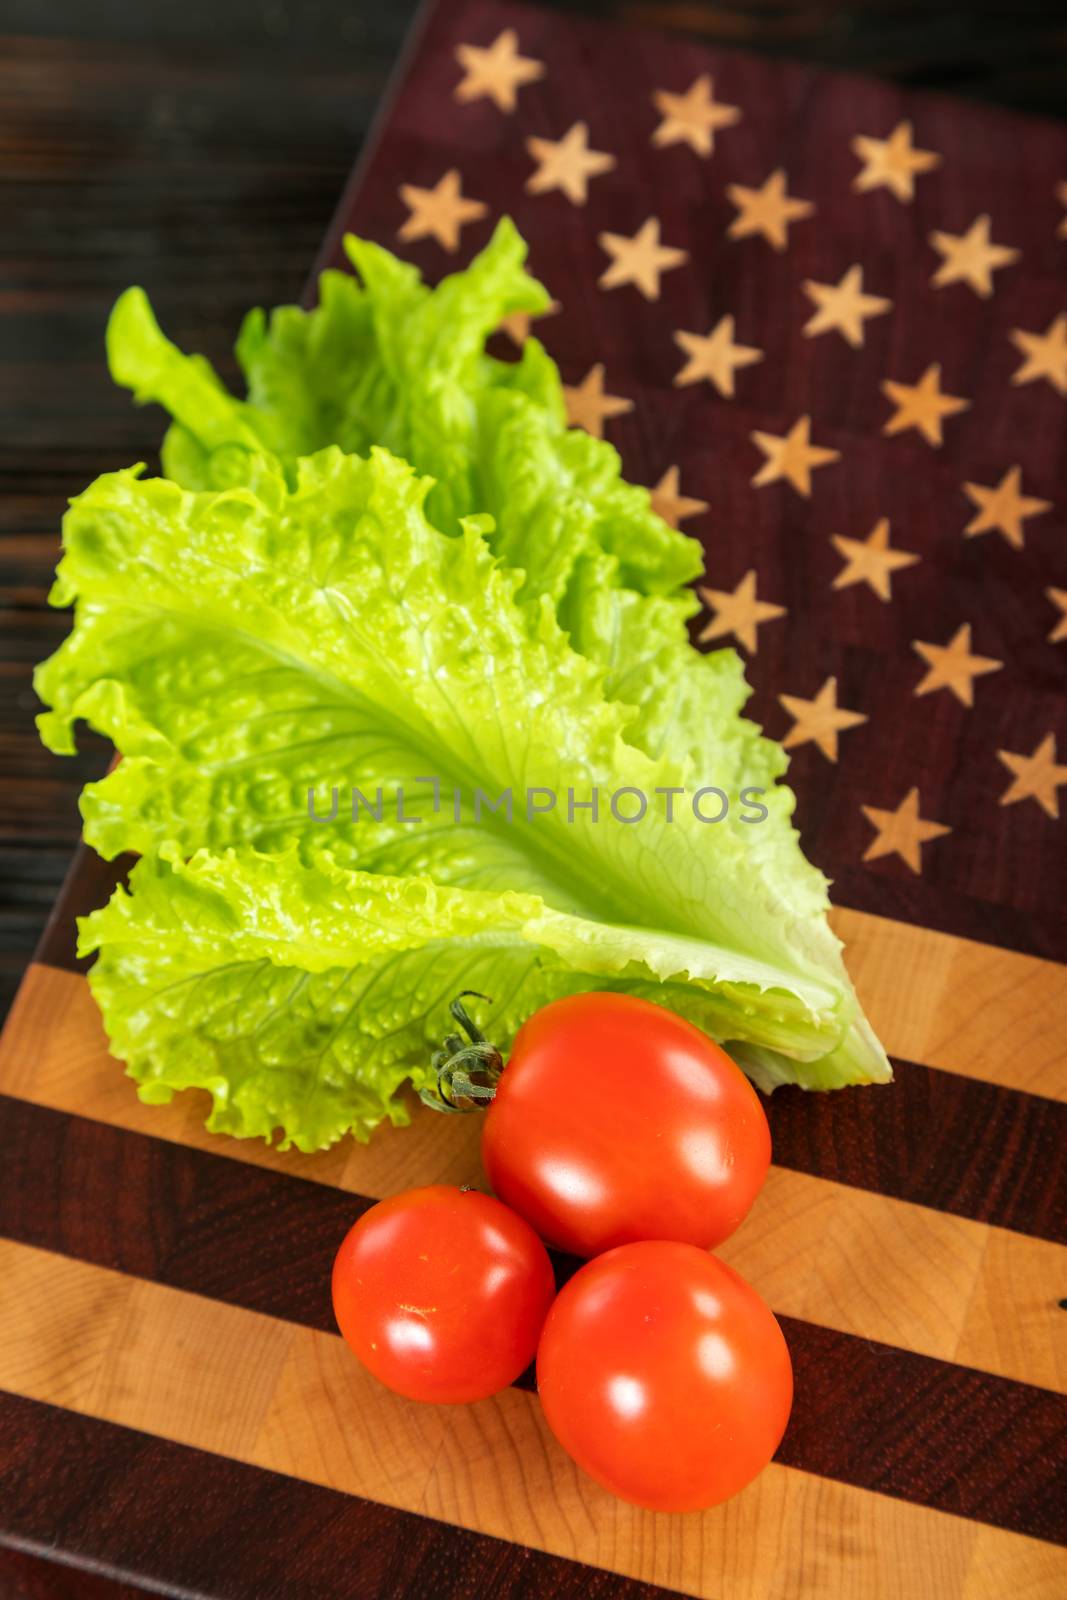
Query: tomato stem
point(467, 1070)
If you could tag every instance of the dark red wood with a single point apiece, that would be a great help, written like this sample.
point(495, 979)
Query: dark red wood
point(865, 1413)
point(190, 1523)
point(997, 876)
point(26, 1576)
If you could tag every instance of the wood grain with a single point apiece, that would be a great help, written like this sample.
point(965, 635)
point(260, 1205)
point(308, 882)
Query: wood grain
point(928, 1286)
point(876, 1266)
point(866, 1413)
point(938, 1139)
point(292, 1400)
point(187, 1522)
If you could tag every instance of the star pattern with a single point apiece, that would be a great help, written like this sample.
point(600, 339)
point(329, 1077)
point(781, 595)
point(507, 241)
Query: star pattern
point(1035, 777)
point(439, 213)
point(737, 611)
point(892, 163)
point(692, 118)
point(589, 407)
point(819, 721)
point(714, 356)
point(1059, 600)
point(872, 561)
point(670, 503)
point(1004, 508)
point(970, 257)
point(766, 212)
point(497, 72)
point(843, 307)
point(639, 260)
point(902, 832)
point(792, 456)
point(973, 261)
point(1045, 353)
point(922, 405)
point(952, 666)
point(567, 164)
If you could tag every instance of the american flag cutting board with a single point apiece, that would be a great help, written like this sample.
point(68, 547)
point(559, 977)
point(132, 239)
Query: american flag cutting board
point(826, 321)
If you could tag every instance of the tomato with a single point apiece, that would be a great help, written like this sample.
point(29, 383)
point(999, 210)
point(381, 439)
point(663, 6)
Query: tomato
point(442, 1293)
point(665, 1376)
point(615, 1120)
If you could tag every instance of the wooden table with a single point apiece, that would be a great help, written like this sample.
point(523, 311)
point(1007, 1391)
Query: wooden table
point(178, 1409)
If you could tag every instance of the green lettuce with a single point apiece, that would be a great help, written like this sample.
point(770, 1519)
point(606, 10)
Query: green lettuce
point(309, 629)
point(385, 360)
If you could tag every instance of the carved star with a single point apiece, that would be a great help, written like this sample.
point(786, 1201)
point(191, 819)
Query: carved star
point(871, 561)
point(738, 612)
point(819, 720)
point(670, 503)
point(1046, 354)
point(922, 405)
point(497, 72)
point(902, 832)
point(1059, 599)
point(639, 260)
point(439, 212)
point(1061, 195)
point(567, 164)
point(517, 323)
point(1035, 777)
point(766, 211)
point(692, 118)
point(589, 407)
point(792, 457)
point(843, 307)
point(891, 163)
point(952, 666)
point(1003, 508)
point(970, 257)
point(714, 356)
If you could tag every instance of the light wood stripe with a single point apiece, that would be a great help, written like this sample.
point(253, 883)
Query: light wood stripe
point(959, 1005)
point(862, 1263)
point(291, 1400)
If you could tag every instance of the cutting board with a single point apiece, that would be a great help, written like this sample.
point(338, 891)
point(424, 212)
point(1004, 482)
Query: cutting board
point(780, 302)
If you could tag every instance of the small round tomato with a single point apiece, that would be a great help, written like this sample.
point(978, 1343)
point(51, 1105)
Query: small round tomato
point(442, 1293)
point(665, 1376)
point(615, 1120)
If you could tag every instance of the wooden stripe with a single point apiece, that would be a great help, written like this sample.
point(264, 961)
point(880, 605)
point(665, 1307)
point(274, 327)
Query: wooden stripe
point(865, 1413)
point(208, 1525)
point(938, 1140)
point(974, 1009)
point(876, 1267)
point(292, 1400)
point(965, 1007)
point(934, 1138)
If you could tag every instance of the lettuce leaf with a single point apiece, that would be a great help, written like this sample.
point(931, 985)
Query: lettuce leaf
point(385, 360)
point(301, 997)
point(311, 629)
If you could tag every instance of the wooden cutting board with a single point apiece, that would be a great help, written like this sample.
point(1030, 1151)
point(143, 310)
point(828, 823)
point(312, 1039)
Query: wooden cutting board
point(176, 1405)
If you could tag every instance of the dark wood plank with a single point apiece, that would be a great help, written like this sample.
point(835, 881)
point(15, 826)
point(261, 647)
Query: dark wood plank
point(25, 1576)
point(866, 1413)
point(191, 1523)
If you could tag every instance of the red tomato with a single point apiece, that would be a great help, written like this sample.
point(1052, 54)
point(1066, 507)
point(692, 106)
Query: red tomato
point(442, 1293)
point(615, 1120)
point(665, 1376)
